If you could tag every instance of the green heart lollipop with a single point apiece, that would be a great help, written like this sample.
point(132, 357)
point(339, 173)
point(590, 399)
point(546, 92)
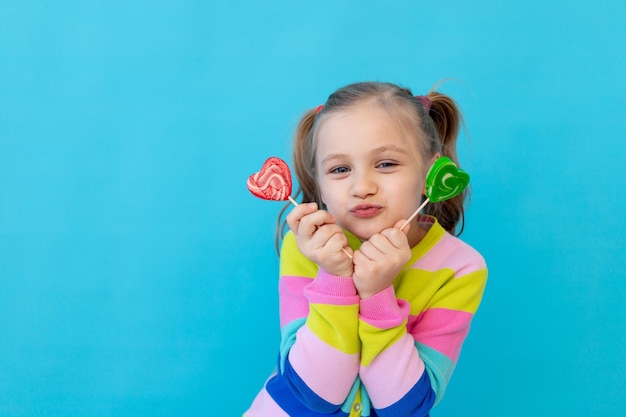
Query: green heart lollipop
point(445, 180)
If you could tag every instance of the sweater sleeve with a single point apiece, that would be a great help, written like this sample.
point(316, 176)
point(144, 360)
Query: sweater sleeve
point(320, 348)
point(409, 354)
point(391, 369)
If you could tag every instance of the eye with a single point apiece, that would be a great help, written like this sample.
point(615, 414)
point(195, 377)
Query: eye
point(386, 164)
point(339, 170)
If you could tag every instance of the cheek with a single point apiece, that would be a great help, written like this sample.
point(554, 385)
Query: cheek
point(330, 194)
point(411, 184)
point(321, 189)
point(325, 196)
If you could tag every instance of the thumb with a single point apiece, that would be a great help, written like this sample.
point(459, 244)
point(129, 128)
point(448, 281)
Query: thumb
point(400, 223)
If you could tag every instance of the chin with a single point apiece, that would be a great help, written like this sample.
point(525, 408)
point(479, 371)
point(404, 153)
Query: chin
point(364, 234)
point(365, 230)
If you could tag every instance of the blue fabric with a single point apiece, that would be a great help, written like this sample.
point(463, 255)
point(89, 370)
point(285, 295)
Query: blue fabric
point(296, 398)
point(407, 406)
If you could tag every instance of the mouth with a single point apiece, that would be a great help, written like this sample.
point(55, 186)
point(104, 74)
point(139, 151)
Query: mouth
point(366, 210)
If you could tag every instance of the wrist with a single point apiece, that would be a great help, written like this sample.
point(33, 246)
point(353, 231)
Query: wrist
point(328, 288)
point(339, 270)
point(365, 293)
point(384, 310)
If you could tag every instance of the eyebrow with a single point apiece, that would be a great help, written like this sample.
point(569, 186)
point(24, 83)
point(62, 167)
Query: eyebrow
point(386, 148)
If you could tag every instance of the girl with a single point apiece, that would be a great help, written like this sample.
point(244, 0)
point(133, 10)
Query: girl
point(372, 315)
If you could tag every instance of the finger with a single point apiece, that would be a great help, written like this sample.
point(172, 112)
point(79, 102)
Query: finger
point(359, 258)
point(310, 223)
point(295, 216)
point(382, 240)
point(323, 234)
point(396, 237)
point(337, 240)
point(405, 229)
point(370, 250)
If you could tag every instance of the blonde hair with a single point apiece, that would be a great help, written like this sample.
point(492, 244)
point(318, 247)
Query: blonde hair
point(436, 127)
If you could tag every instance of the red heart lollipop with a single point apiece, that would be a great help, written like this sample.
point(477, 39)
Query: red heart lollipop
point(272, 182)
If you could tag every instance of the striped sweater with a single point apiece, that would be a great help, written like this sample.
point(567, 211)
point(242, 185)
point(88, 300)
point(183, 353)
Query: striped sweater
point(388, 355)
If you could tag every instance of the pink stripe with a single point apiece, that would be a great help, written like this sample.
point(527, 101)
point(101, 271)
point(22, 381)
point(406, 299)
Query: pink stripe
point(290, 289)
point(451, 253)
point(264, 405)
point(329, 372)
point(331, 289)
point(384, 310)
point(442, 329)
point(393, 372)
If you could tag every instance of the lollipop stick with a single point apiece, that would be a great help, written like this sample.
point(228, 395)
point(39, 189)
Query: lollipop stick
point(295, 203)
point(415, 213)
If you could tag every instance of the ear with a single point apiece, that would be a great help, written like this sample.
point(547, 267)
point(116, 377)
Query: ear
point(434, 158)
point(431, 163)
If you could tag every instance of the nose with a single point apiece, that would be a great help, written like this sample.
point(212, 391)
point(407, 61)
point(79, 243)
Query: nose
point(363, 185)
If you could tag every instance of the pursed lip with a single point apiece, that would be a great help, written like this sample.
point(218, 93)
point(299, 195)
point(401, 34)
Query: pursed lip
point(366, 210)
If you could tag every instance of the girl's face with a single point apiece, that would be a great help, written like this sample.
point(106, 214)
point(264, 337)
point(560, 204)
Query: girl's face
point(369, 170)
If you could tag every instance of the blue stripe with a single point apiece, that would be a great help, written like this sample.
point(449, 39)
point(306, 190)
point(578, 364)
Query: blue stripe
point(407, 406)
point(297, 399)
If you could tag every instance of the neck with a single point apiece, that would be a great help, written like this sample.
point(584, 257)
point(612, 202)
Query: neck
point(416, 232)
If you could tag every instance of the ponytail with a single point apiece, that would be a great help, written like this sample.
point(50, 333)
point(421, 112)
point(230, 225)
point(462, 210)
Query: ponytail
point(304, 157)
point(303, 162)
point(447, 119)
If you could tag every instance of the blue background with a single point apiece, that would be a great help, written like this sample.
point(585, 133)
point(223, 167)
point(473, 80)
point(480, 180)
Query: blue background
point(138, 275)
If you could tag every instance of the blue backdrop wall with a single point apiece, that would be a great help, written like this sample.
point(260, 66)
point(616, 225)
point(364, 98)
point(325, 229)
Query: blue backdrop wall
point(138, 275)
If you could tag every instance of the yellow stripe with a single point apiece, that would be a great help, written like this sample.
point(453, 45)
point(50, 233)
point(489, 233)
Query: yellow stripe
point(376, 340)
point(434, 235)
point(342, 331)
point(293, 262)
point(463, 293)
point(440, 289)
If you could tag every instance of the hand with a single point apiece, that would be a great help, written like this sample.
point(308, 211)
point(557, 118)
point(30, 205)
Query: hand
point(379, 260)
point(320, 239)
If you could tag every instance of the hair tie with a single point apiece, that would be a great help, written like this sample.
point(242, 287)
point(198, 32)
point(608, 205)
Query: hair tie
point(319, 109)
point(426, 102)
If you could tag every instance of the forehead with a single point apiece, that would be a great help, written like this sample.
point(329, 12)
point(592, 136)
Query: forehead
point(364, 126)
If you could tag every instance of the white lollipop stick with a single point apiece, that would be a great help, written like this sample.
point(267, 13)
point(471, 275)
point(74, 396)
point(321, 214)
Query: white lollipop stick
point(415, 213)
point(294, 202)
